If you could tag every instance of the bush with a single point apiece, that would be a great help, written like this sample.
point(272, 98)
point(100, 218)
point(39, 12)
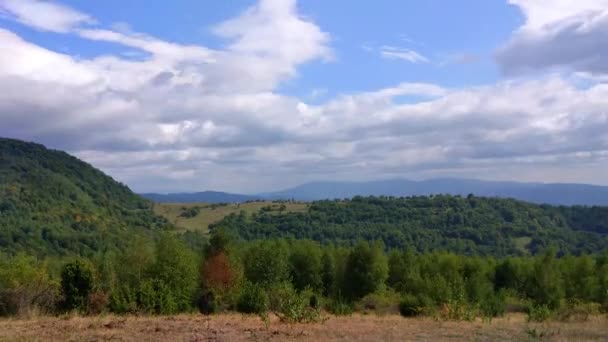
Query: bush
point(76, 284)
point(97, 302)
point(494, 305)
point(176, 275)
point(340, 307)
point(456, 310)
point(578, 311)
point(25, 286)
point(539, 313)
point(155, 297)
point(380, 302)
point(411, 306)
point(366, 270)
point(123, 300)
point(292, 306)
point(252, 300)
point(207, 303)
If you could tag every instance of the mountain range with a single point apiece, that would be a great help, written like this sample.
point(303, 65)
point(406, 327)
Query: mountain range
point(541, 193)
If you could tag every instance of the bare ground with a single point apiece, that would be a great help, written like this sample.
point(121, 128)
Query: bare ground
point(234, 327)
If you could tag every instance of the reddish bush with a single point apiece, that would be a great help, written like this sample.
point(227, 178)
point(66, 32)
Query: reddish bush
point(218, 274)
point(97, 302)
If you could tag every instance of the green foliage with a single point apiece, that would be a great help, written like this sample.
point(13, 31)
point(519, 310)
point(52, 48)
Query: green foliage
point(384, 301)
point(366, 270)
point(494, 305)
point(124, 299)
point(292, 306)
point(25, 286)
point(267, 263)
point(157, 297)
point(54, 204)
point(176, 272)
point(539, 313)
point(305, 266)
point(328, 273)
point(472, 225)
point(77, 283)
point(411, 305)
point(339, 306)
point(546, 283)
point(576, 310)
point(190, 212)
point(252, 300)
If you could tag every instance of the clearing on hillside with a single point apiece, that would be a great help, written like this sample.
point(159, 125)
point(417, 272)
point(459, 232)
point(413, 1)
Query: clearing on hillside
point(198, 216)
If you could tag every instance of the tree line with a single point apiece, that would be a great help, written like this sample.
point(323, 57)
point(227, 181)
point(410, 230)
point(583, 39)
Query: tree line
point(464, 225)
point(300, 280)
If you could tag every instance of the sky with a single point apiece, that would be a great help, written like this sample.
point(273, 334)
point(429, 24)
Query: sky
point(251, 96)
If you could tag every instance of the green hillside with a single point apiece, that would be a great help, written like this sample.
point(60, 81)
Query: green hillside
point(467, 225)
point(52, 203)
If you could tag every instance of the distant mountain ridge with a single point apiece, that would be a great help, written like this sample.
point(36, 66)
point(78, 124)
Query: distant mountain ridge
point(541, 193)
point(200, 197)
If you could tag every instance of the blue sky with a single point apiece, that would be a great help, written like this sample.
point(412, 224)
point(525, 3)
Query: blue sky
point(194, 95)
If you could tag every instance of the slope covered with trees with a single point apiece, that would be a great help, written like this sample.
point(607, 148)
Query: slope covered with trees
point(52, 203)
point(465, 225)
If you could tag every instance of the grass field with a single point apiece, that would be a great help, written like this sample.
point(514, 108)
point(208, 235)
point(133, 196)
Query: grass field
point(233, 327)
point(210, 213)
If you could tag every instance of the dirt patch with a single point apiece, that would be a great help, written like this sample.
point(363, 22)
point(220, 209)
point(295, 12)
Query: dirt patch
point(233, 327)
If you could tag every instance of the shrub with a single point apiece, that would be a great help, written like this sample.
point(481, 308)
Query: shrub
point(97, 302)
point(156, 297)
point(494, 305)
point(25, 286)
point(190, 212)
point(292, 306)
point(576, 310)
point(411, 306)
point(366, 270)
point(380, 302)
point(218, 273)
point(252, 300)
point(207, 303)
point(539, 313)
point(123, 300)
point(76, 284)
point(267, 263)
point(340, 307)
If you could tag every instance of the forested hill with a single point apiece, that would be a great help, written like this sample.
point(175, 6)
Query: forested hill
point(467, 225)
point(52, 203)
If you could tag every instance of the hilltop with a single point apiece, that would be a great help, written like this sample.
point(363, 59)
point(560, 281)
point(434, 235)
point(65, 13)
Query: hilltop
point(52, 203)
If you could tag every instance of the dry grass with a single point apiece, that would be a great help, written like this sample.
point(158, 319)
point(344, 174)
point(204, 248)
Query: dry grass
point(210, 214)
point(233, 327)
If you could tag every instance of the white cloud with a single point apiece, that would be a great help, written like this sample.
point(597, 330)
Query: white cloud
point(45, 15)
point(566, 34)
point(391, 52)
point(186, 117)
point(543, 17)
point(275, 37)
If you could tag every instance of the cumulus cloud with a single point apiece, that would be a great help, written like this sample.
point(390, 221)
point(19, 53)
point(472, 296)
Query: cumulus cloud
point(44, 15)
point(187, 117)
point(566, 34)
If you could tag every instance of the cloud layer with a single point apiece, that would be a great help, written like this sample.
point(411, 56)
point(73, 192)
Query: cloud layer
point(187, 117)
point(566, 34)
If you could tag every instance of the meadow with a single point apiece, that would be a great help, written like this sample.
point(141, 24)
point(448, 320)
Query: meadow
point(207, 214)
